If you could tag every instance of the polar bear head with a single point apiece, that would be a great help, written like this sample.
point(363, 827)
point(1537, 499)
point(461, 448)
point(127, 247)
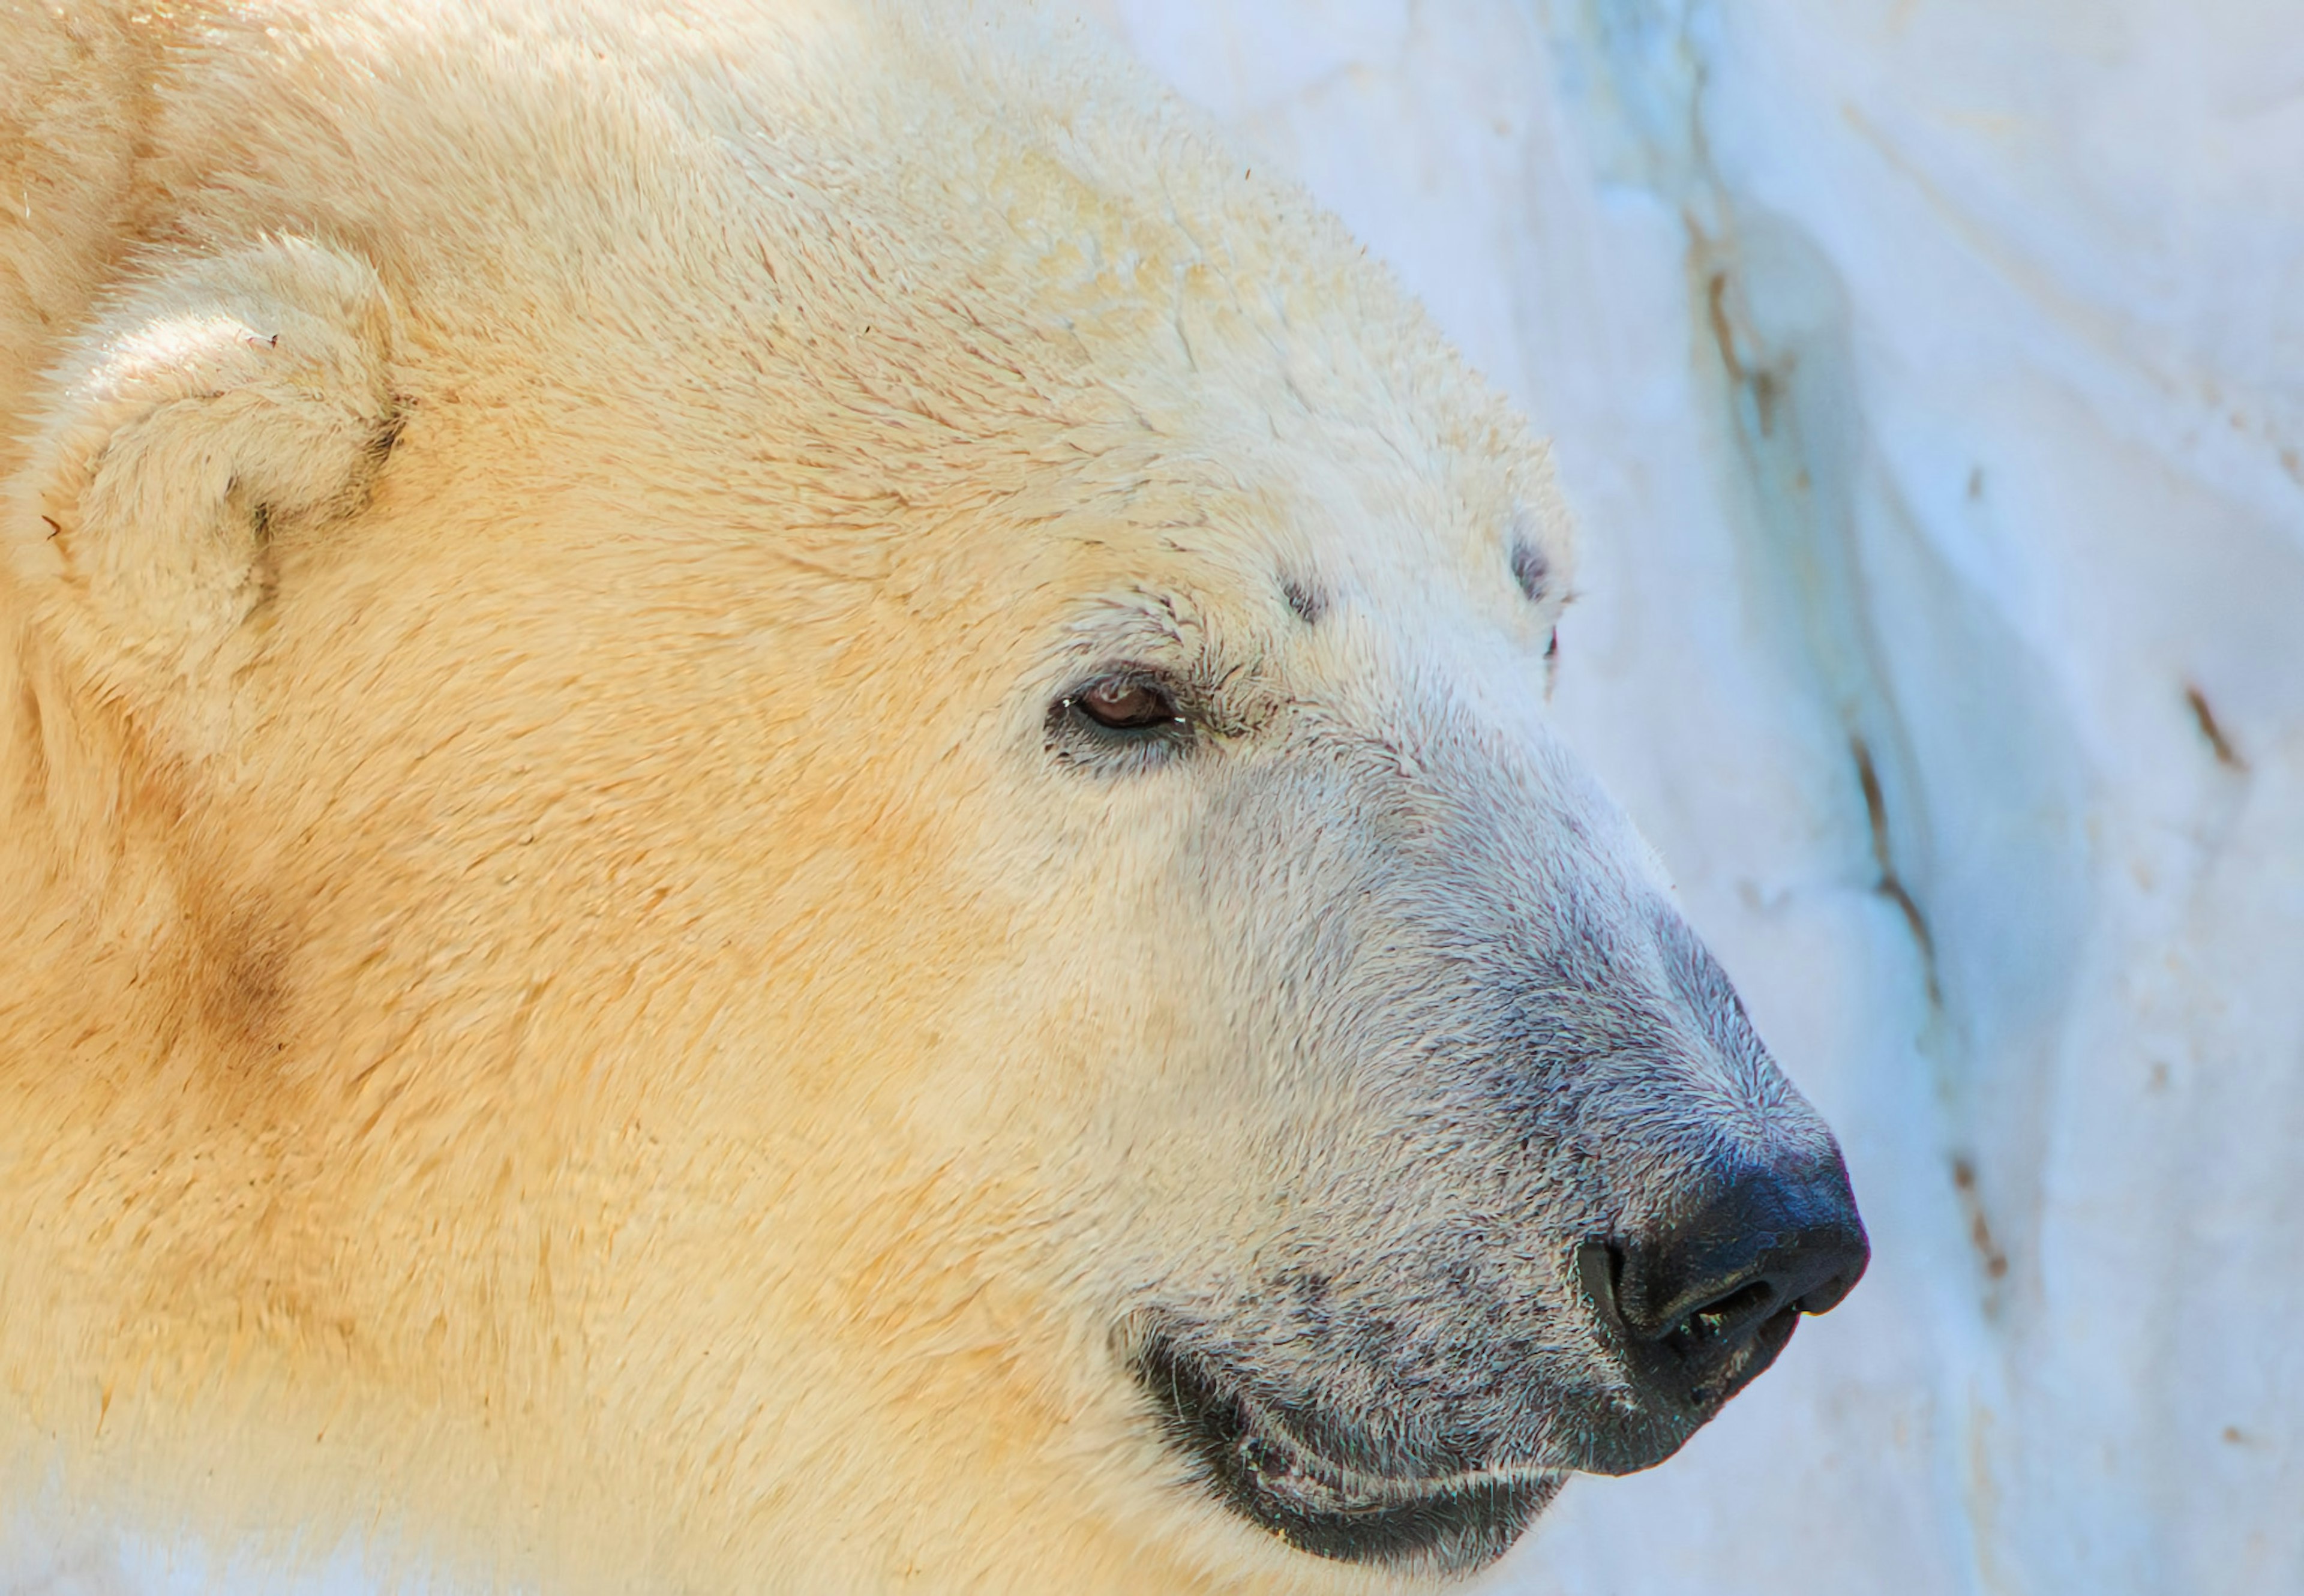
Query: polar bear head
point(827, 759)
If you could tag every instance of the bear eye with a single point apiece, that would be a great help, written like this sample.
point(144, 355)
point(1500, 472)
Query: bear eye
point(1131, 718)
point(1126, 704)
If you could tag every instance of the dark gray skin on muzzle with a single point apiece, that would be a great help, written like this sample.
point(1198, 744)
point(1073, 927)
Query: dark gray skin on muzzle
point(1532, 1197)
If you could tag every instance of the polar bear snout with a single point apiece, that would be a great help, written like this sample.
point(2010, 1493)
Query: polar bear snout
point(1525, 1195)
point(1699, 1306)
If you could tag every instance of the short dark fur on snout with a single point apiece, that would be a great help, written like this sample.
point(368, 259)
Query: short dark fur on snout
point(1554, 1206)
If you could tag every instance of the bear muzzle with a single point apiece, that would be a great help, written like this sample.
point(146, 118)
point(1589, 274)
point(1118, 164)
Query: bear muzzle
point(1686, 1310)
point(1698, 1305)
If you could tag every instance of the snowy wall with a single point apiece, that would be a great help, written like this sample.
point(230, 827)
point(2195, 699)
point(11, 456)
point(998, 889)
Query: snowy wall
point(1929, 375)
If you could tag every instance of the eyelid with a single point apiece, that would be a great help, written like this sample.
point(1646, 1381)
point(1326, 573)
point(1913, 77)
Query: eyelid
point(1071, 724)
point(1130, 674)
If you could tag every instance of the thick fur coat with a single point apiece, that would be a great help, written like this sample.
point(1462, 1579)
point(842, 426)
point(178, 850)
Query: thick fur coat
point(581, 1001)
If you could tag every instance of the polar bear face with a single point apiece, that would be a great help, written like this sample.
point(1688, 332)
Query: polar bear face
point(1143, 998)
point(875, 835)
point(1429, 1156)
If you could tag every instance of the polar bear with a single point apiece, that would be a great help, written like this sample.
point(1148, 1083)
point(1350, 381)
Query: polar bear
point(778, 818)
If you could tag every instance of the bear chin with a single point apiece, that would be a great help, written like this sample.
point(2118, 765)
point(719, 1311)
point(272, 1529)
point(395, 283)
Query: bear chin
point(1257, 1463)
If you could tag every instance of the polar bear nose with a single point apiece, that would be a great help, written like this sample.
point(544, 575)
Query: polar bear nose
point(1705, 1302)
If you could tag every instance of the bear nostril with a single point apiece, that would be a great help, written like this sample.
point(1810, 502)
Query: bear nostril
point(1703, 1302)
point(1599, 1265)
point(1730, 1315)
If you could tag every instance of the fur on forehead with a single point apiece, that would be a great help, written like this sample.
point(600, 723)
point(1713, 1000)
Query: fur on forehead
point(1008, 337)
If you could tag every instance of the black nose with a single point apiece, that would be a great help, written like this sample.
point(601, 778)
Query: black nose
point(1705, 1300)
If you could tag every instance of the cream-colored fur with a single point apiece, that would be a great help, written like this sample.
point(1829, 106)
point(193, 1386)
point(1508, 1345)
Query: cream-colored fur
point(554, 1012)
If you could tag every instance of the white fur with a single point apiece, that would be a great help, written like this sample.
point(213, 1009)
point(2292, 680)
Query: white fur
point(559, 1010)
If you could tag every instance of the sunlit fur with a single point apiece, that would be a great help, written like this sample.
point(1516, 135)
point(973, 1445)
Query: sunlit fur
point(562, 1010)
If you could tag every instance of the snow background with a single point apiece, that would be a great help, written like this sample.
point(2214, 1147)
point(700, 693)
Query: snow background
point(1929, 375)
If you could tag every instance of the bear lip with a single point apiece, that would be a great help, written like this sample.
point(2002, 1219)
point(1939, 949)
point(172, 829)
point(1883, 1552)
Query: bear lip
point(1258, 1463)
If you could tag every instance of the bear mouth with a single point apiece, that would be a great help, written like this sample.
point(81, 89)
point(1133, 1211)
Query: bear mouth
point(1258, 1460)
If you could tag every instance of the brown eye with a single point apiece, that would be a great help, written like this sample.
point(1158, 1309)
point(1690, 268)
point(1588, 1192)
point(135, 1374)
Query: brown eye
point(1122, 706)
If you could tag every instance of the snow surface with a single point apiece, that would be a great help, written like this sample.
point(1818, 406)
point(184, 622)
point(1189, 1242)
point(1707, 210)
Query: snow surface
point(1929, 377)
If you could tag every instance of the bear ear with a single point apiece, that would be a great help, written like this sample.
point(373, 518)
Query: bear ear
point(222, 398)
